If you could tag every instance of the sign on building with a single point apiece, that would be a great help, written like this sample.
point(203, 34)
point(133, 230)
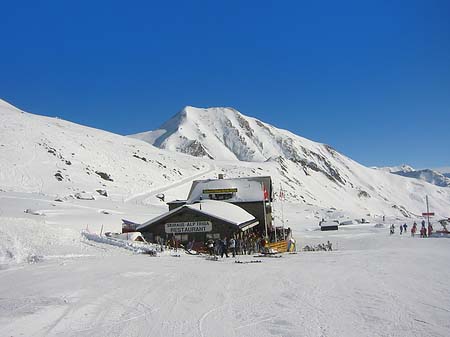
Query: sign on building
point(188, 227)
point(220, 190)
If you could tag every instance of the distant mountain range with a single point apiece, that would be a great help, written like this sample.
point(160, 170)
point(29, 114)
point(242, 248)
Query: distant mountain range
point(438, 177)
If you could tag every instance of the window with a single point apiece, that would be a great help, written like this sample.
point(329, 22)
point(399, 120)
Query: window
point(224, 196)
point(182, 237)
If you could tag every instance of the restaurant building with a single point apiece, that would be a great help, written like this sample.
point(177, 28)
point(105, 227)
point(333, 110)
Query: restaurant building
point(215, 208)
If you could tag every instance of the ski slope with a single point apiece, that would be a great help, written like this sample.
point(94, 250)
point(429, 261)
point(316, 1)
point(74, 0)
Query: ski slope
point(373, 285)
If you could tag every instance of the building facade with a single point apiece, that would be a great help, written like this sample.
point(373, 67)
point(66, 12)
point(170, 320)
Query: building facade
point(215, 208)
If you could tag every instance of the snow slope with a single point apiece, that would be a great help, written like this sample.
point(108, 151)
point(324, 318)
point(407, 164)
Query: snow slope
point(373, 285)
point(60, 158)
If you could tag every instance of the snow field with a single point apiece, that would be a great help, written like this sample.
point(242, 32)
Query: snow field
point(396, 289)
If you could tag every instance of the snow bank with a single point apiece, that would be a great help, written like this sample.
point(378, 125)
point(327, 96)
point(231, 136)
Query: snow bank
point(29, 241)
point(136, 247)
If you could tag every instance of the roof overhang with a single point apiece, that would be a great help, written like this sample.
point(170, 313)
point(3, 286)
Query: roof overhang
point(242, 226)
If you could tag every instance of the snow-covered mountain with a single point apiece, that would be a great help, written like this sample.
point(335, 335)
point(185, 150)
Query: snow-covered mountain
point(226, 134)
point(445, 171)
point(431, 176)
point(394, 169)
point(62, 159)
point(314, 173)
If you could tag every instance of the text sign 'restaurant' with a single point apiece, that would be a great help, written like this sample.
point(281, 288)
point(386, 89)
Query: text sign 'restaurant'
point(188, 227)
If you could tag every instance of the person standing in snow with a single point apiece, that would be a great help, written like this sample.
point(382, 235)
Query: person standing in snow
point(430, 230)
point(423, 230)
point(223, 247)
point(401, 229)
point(232, 246)
point(217, 247)
point(262, 245)
point(161, 242)
point(210, 246)
point(392, 229)
point(405, 227)
point(413, 229)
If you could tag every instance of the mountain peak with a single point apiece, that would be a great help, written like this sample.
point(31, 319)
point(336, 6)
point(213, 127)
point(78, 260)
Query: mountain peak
point(226, 134)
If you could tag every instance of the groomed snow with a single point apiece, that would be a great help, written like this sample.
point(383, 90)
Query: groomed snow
point(373, 284)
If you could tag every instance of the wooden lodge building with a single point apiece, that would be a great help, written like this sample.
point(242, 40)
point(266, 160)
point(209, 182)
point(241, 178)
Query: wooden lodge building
point(215, 208)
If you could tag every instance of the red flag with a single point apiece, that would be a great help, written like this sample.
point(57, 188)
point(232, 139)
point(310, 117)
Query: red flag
point(265, 193)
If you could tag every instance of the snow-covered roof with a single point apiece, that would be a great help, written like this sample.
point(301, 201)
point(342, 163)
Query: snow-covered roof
point(224, 211)
point(247, 189)
point(329, 224)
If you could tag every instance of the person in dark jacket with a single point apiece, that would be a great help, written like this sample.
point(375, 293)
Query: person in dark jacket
point(210, 246)
point(224, 247)
point(232, 246)
point(413, 229)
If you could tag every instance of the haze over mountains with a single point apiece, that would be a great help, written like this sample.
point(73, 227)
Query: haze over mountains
point(63, 159)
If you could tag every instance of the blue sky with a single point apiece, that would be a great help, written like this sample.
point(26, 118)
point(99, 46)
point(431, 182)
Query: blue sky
point(370, 78)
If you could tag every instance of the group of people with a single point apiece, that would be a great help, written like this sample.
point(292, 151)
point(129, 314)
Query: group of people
point(320, 247)
point(249, 244)
point(425, 231)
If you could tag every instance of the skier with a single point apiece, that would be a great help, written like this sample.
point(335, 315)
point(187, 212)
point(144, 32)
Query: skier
point(405, 227)
point(401, 229)
point(392, 230)
point(329, 246)
point(232, 246)
point(430, 230)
